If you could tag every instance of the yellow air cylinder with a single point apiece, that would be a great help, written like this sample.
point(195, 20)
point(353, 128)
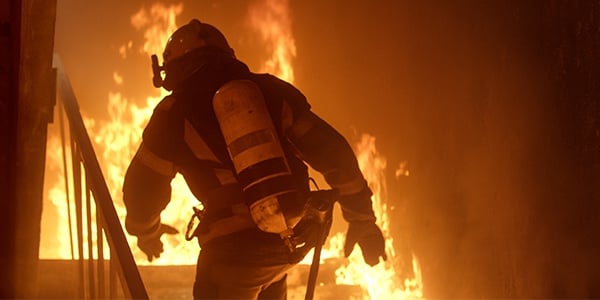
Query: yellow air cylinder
point(257, 155)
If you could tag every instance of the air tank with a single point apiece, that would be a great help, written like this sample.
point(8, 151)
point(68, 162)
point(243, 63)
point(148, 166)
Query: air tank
point(257, 155)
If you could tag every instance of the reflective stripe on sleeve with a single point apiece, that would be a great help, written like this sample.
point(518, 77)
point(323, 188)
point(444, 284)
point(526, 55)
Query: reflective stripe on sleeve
point(157, 164)
point(352, 215)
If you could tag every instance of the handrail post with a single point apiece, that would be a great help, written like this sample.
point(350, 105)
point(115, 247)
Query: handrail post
point(131, 280)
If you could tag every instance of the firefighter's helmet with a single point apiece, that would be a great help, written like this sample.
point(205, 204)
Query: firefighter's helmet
point(182, 43)
point(194, 35)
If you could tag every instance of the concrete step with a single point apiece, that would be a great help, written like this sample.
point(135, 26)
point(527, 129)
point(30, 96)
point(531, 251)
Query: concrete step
point(58, 279)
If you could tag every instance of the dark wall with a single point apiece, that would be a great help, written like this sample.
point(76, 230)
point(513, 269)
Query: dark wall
point(503, 198)
point(26, 106)
point(9, 58)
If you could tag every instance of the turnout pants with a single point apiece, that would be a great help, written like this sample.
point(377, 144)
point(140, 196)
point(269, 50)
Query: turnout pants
point(249, 264)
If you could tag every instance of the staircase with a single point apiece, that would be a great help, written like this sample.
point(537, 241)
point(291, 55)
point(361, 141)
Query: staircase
point(104, 275)
point(176, 282)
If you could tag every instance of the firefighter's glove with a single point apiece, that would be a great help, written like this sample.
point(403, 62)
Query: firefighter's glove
point(370, 239)
point(151, 243)
point(308, 233)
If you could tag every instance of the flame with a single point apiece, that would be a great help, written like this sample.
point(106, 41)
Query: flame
point(59, 228)
point(120, 136)
point(116, 141)
point(382, 280)
point(271, 19)
point(61, 231)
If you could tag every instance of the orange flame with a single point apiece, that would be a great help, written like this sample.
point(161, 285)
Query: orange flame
point(55, 236)
point(271, 18)
point(116, 141)
point(120, 137)
point(380, 281)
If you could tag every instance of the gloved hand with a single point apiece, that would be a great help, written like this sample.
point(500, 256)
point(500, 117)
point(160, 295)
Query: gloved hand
point(151, 244)
point(369, 238)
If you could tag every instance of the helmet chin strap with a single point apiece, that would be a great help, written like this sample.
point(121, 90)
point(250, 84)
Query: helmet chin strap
point(174, 72)
point(180, 68)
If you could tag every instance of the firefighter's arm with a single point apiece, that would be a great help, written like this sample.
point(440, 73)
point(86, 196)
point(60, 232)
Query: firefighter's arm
point(147, 185)
point(329, 153)
point(146, 192)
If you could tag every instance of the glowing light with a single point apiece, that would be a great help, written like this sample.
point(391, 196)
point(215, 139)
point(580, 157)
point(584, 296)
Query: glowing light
point(121, 135)
point(272, 20)
point(381, 281)
point(116, 140)
point(402, 169)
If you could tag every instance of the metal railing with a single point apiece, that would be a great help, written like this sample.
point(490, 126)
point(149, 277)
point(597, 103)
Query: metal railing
point(97, 275)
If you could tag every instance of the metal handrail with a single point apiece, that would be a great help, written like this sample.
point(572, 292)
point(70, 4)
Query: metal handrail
point(83, 151)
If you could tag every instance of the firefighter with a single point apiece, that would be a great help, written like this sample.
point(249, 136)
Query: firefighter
point(243, 142)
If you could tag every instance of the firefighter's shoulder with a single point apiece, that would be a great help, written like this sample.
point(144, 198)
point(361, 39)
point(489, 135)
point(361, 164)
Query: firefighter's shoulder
point(272, 85)
point(165, 104)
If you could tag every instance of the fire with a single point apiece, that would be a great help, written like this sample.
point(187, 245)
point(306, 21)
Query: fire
point(157, 24)
point(380, 281)
point(60, 246)
point(271, 19)
point(116, 141)
point(121, 135)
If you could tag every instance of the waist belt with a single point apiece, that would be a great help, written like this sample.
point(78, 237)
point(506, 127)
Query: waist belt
point(237, 217)
point(223, 222)
point(225, 226)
